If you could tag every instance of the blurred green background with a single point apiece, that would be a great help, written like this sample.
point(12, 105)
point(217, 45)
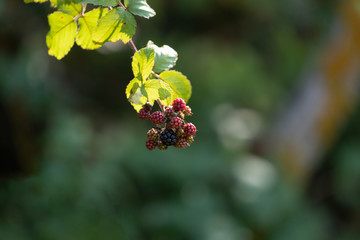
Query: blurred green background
point(73, 159)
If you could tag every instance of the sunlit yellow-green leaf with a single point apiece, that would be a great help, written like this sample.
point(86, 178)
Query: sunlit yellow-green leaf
point(87, 25)
point(157, 89)
point(115, 25)
point(35, 1)
point(136, 94)
point(179, 83)
point(128, 26)
point(143, 63)
point(108, 3)
point(61, 36)
point(60, 2)
point(71, 8)
point(107, 26)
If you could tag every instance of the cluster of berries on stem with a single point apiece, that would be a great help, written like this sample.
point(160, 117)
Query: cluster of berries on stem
point(170, 127)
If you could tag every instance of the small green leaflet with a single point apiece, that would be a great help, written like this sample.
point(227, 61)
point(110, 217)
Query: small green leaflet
point(165, 57)
point(62, 34)
point(179, 84)
point(143, 63)
point(87, 25)
point(107, 3)
point(115, 25)
point(140, 8)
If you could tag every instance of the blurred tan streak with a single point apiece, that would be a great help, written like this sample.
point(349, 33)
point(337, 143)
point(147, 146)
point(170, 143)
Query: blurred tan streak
point(328, 95)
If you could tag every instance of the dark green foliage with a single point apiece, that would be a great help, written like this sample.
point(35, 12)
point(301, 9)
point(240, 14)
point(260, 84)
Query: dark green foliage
point(82, 171)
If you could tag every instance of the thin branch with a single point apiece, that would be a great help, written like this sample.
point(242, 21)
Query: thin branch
point(83, 9)
point(132, 45)
point(162, 107)
point(155, 74)
point(122, 5)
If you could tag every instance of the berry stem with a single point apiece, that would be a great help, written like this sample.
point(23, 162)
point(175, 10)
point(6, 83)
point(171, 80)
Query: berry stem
point(162, 107)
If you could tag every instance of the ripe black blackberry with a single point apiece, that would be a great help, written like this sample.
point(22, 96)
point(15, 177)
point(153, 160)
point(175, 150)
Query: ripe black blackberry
point(168, 137)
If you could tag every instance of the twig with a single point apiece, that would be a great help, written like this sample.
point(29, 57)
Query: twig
point(162, 107)
point(132, 45)
point(155, 74)
point(122, 5)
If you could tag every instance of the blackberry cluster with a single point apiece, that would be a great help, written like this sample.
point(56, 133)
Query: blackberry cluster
point(170, 127)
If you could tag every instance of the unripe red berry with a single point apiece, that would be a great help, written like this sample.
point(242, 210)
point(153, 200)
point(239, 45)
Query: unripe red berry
point(157, 117)
point(176, 122)
point(189, 129)
point(187, 111)
point(181, 143)
point(179, 105)
point(153, 134)
point(169, 111)
point(150, 144)
point(144, 114)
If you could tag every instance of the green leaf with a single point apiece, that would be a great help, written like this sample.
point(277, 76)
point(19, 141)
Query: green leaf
point(35, 1)
point(57, 3)
point(62, 33)
point(143, 63)
point(136, 94)
point(140, 8)
point(128, 27)
point(165, 57)
point(115, 25)
point(71, 9)
point(157, 89)
point(107, 3)
point(87, 25)
point(107, 26)
point(180, 85)
point(132, 87)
